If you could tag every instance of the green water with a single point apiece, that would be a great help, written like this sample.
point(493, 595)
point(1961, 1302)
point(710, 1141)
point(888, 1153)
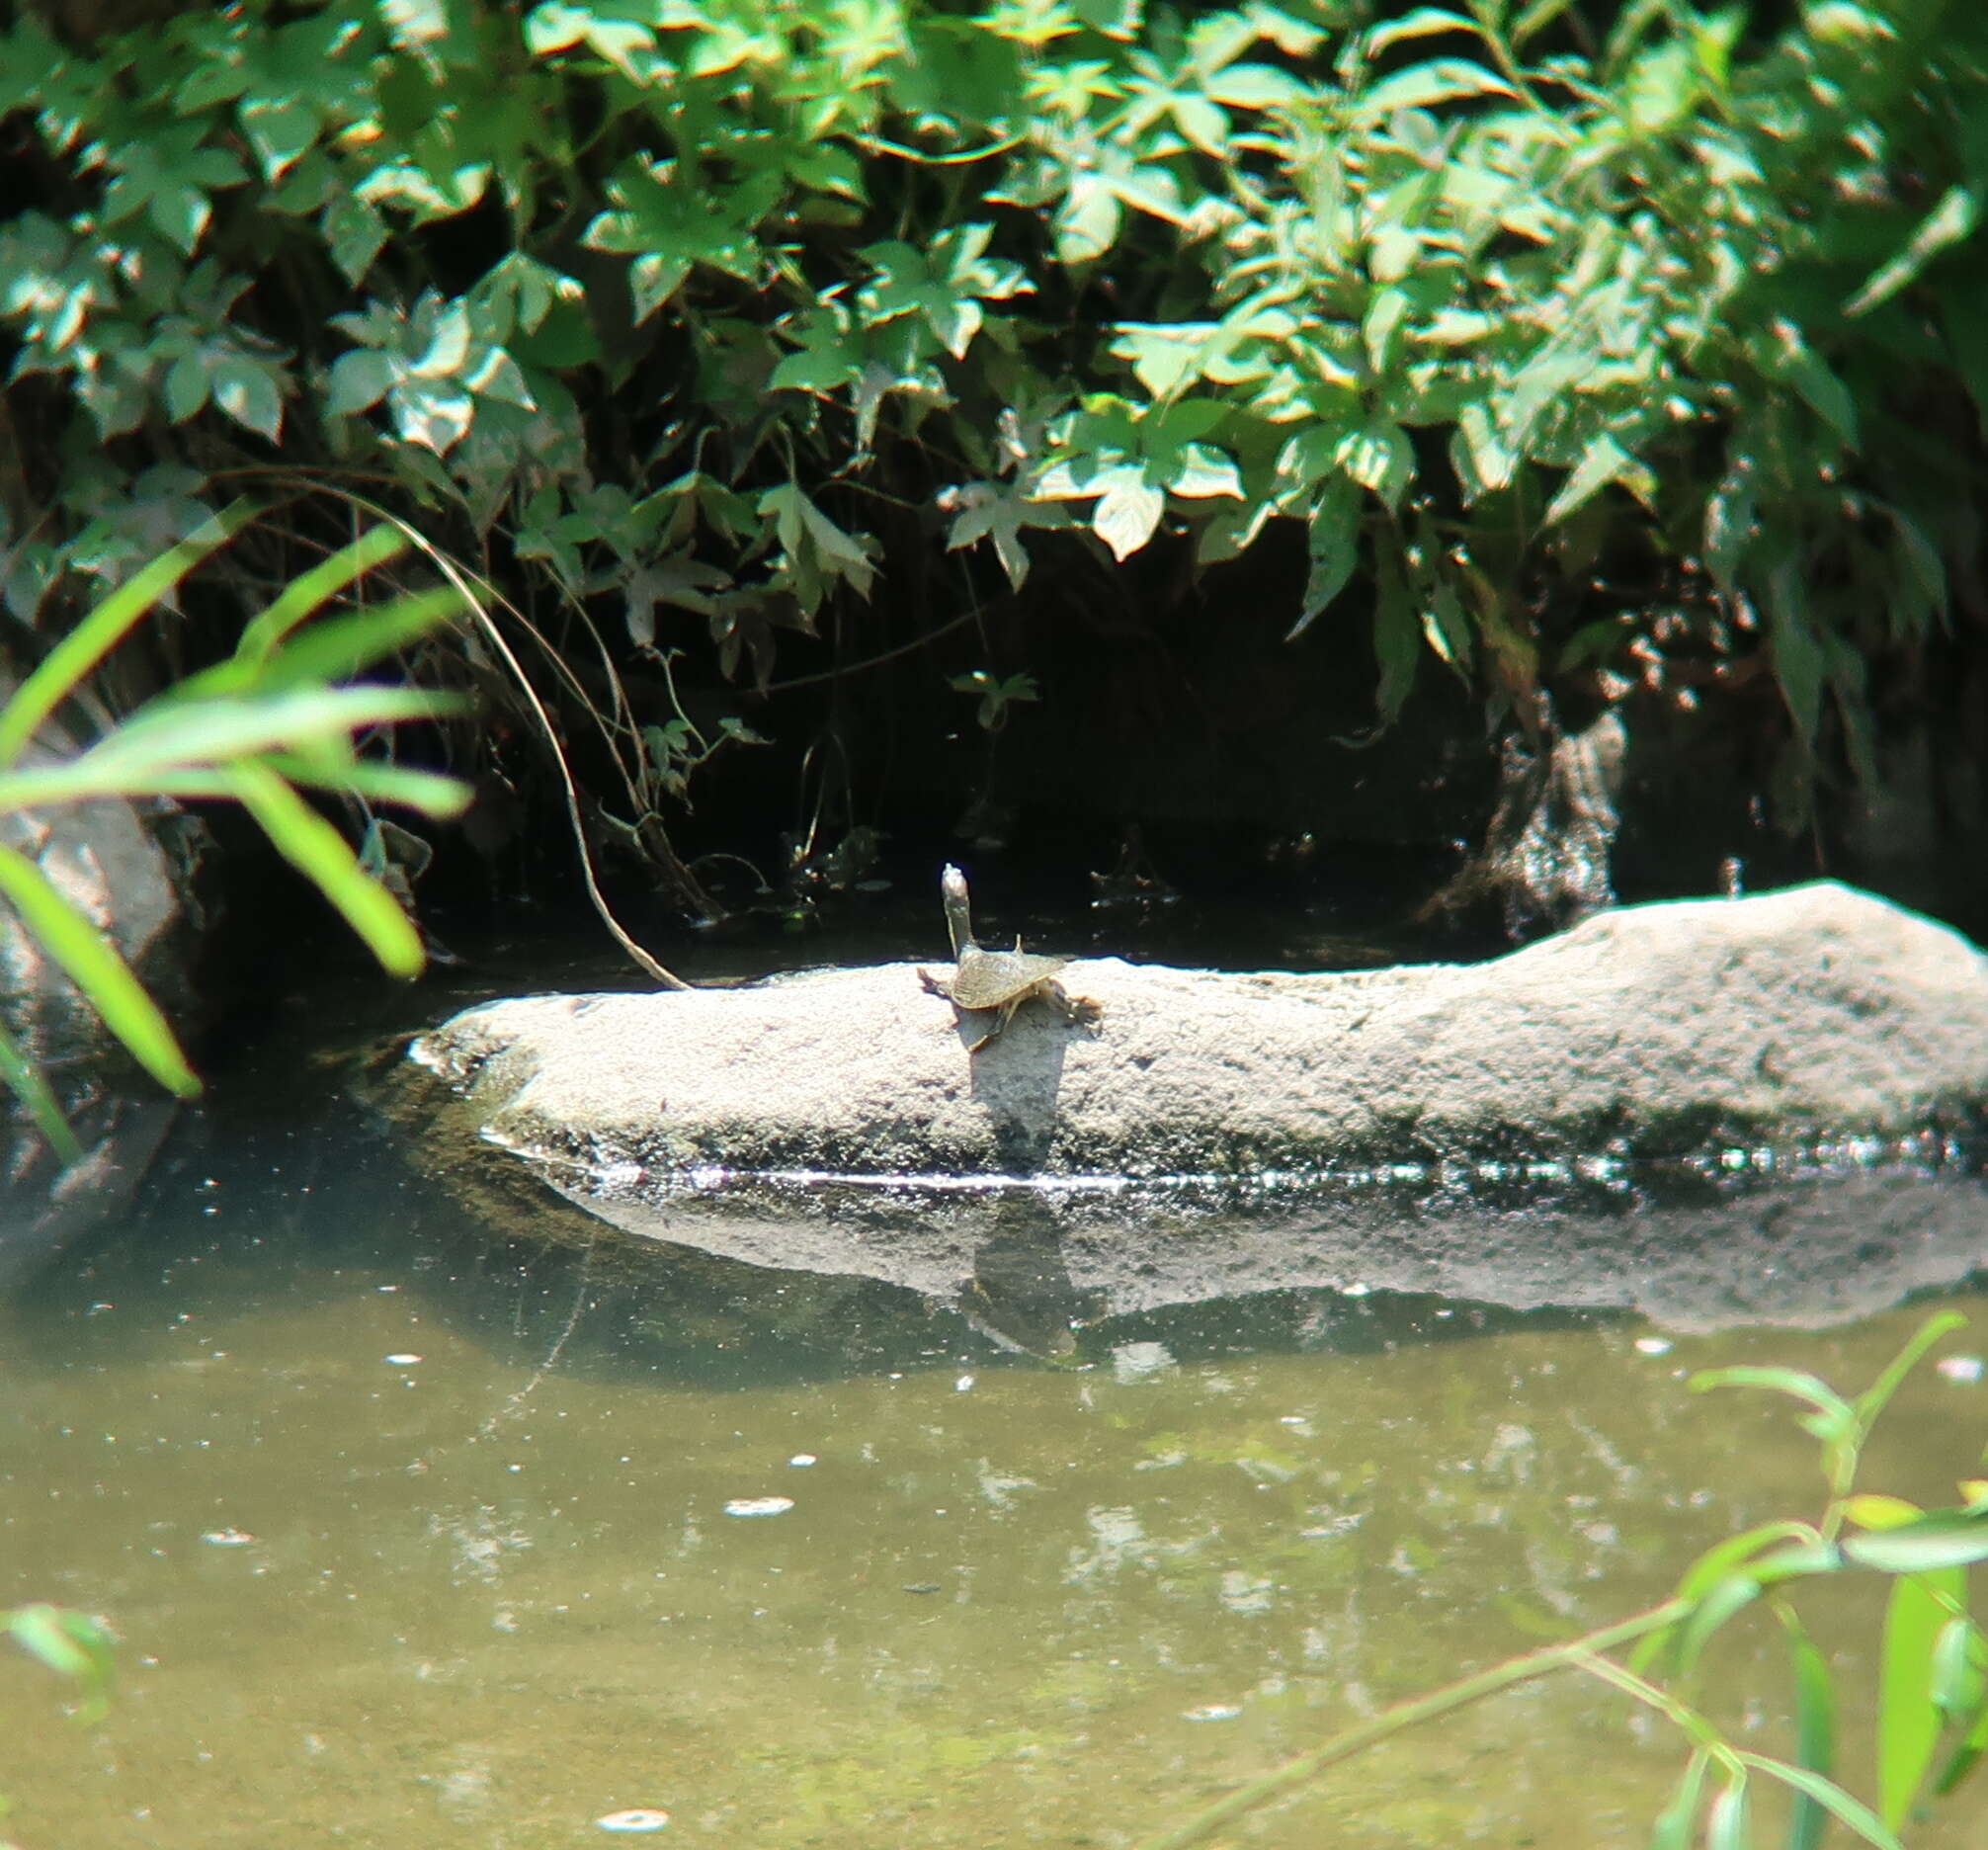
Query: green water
point(492, 1595)
point(413, 1538)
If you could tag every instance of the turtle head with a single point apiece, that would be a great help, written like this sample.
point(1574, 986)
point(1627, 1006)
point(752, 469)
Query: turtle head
point(959, 917)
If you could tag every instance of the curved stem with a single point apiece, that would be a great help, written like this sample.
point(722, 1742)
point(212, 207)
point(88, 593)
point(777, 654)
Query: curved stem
point(1342, 1746)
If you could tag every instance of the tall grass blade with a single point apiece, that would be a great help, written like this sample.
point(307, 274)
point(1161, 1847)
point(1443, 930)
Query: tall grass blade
point(95, 968)
point(1872, 1400)
point(320, 851)
point(315, 588)
point(1725, 1817)
point(1851, 1812)
point(26, 1080)
point(105, 627)
point(1672, 1828)
point(214, 731)
point(1908, 1723)
point(1814, 1730)
point(338, 647)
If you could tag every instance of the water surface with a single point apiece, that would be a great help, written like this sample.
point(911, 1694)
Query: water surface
point(418, 1538)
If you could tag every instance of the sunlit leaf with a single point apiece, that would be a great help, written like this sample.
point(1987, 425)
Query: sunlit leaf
point(93, 965)
point(1908, 1723)
point(318, 851)
point(78, 653)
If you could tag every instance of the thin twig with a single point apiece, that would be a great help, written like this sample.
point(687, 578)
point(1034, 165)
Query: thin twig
point(1342, 1746)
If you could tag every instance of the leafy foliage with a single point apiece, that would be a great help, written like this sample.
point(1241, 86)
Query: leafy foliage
point(1569, 334)
point(1931, 1728)
point(254, 730)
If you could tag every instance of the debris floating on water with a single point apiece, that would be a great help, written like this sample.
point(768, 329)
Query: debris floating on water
point(1653, 1345)
point(639, 1819)
point(1211, 1712)
point(759, 1506)
point(401, 1360)
point(802, 1459)
point(1965, 1368)
point(227, 1538)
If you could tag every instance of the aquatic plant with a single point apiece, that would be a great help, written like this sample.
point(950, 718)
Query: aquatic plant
point(1581, 341)
point(1932, 1699)
point(277, 717)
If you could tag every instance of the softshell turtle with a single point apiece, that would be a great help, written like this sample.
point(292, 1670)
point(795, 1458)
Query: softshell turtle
point(997, 981)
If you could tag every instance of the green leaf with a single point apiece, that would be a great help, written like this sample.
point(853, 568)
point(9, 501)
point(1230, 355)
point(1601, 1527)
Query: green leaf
point(1481, 455)
point(248, 390)
point(1725, 1817)
point(71, 660)
point(1942, 1539)
point(1875, 1399)
point(26, 1080)
point(1798, 661)
point(1958, 1687)
point(1814, 1726)
point(1332, 542)
point(297, 602)
point(1908, 1724)
point(359, 381)
point(1851, 1812)
point(1128, 514)
point(1424, 22)
point(1672, 1828)
point(1420, 85)
point(93, 965)
point(71, 1644)
point(1951, 220)
point(317, 850)
point(1603, 460)
point(1398, 638)
point(1378, 456)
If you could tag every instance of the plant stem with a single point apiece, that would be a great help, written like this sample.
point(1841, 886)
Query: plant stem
point(1407, 1715)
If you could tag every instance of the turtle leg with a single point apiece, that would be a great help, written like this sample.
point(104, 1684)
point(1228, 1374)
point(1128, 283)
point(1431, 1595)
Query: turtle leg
point(1002, 1016)
point(932, 985)
point(1079, 1009)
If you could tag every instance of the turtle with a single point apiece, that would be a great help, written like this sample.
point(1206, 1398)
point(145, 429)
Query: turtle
point(997, 982)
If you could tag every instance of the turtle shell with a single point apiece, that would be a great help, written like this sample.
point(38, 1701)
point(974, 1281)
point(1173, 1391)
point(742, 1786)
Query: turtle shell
point(989, 979)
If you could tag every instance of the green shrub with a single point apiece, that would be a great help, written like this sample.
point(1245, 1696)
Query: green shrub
point(1579, 337)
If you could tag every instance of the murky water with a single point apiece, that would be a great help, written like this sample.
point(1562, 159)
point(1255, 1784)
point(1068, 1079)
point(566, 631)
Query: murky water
point(412, 1541)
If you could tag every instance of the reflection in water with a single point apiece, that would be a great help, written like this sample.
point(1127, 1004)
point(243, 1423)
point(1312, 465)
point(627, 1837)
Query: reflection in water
point(412, 1539)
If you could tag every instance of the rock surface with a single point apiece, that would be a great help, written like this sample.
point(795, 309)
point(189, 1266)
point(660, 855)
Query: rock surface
point(1813, 1013)
point(1728, 1110)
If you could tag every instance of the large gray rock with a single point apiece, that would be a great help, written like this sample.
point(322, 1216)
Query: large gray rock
point(1724, 1111)
point(1813, 1013)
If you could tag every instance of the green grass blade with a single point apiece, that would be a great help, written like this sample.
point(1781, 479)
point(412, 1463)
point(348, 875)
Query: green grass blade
point(316, 588)
point(1794, 1381)
point(318, 851)
point(1814, 1729)
point(1725, 1817)
point(339, 648)
point(427, 791)
point(1938, 1540)
point(95, 968)
point(105, 627)
point(1730, 1596)
point(1851, 1814)
point(1872, 1401)
point(1672, 1828)
point(333, 649)
point(1968, 1753)
point(220, 730)
point(27, 1082)
point(71, 1644)
point(1908, 1724)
